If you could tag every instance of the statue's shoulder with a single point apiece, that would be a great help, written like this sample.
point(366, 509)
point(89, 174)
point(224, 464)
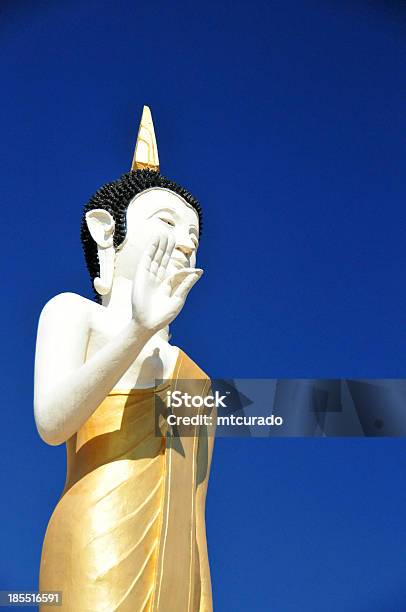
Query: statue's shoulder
point(189, 368)
point(68, 306)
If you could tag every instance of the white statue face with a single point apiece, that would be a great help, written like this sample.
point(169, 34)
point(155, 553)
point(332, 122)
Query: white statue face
point(152, 212)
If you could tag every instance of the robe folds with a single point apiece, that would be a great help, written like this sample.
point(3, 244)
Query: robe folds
point(128, 532)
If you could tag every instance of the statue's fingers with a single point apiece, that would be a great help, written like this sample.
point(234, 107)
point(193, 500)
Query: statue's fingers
point(149, 253)
point(159, 253)
point(175, 279)
point(186, 284)
point(166, 257)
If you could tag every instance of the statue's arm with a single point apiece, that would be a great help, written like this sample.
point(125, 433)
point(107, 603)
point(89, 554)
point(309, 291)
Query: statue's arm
point(68, 389)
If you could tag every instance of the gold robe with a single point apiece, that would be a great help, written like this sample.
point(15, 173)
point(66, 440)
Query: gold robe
point(128, 532)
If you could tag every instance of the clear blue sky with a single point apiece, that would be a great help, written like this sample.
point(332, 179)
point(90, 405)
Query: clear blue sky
point(287, 119)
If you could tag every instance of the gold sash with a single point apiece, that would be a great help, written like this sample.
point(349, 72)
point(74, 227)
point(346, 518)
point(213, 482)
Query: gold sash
point(128, 532)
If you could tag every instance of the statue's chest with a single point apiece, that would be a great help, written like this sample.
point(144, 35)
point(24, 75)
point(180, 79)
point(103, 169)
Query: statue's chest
point(154, 362)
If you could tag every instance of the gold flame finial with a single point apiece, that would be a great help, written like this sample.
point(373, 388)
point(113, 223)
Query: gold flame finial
point(146, 150)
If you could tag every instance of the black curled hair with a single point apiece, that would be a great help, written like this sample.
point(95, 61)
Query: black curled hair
point(115, 198)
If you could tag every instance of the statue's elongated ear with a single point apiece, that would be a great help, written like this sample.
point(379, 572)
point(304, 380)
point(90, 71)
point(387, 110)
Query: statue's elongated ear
point(101, 227)
point(100, 224)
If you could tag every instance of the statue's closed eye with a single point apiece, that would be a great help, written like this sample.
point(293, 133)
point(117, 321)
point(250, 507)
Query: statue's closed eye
point(167, 221)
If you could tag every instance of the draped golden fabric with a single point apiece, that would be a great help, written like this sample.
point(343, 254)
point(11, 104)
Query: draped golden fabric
point(128, 532)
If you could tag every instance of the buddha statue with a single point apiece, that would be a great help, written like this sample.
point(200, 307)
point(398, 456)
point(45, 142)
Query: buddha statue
point(128, 531)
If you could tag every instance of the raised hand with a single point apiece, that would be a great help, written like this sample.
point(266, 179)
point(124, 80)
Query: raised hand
point(157, 297)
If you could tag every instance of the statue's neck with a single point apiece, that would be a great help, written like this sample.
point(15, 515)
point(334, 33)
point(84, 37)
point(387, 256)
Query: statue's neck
point(118, 302)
